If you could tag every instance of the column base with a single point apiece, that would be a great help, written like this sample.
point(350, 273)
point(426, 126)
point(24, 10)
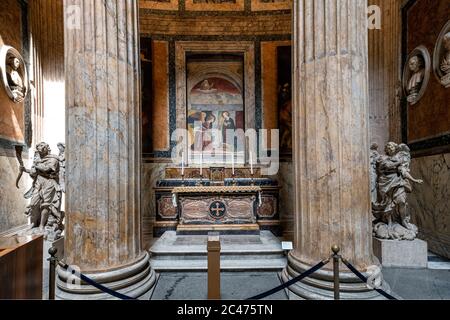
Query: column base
point(134, 280)
point(320, 286)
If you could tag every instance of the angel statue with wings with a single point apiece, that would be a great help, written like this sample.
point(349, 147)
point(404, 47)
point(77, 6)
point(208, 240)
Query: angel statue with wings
point(44, 209)
point(389, 199)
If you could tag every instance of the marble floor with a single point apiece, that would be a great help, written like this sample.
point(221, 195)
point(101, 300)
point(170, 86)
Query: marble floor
point(407, 284)
point(234, 285)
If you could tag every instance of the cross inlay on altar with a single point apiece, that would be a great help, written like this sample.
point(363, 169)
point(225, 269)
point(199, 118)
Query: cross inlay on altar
point(217, 209)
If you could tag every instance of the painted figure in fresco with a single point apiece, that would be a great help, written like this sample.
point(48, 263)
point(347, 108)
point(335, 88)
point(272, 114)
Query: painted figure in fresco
point(416, 66)
point(203, 135)
point(207, 87)
point(285, 118)
point(15, 81)
point(227, 124)
point(46, 193)
point(392, 220)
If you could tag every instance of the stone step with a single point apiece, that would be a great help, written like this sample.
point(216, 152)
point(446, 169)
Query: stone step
point(224, 251)
point(223, 257)
point(173, 252)
point(276, 264)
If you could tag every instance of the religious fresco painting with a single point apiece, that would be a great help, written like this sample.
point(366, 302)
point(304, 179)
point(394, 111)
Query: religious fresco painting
point(259, 5)
point(215, 5)
point(215, 105)
point(159, 4)
point(284, 81)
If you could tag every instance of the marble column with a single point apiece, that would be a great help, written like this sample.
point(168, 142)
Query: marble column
point(103, 222)
point(331, 162)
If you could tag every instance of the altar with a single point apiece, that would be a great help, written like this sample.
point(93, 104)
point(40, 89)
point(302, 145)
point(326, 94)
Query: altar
point(217, 208)
point(216, 200)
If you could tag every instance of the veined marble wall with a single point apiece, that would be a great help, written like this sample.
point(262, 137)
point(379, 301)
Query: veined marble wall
point(286, 182)
point(430, 203)
point(151, 173)
point(12, 202)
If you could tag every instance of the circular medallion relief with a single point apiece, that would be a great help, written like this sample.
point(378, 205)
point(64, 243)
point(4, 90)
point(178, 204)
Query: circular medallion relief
point(441, 56)
point(13, 74)
point(217, 209)
point(416, 74)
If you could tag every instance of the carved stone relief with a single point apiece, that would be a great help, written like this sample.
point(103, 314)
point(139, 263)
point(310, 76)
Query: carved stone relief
point(166, 209)
point(230, 210)
point(416, 74)
point(268, 208)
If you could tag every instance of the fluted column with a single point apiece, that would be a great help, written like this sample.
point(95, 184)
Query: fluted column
point(332, 198)
point(385, 74)
point(103, 224)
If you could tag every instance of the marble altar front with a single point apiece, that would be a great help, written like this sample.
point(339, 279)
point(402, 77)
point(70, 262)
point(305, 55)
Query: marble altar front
point(216, 201)
point(217, 208)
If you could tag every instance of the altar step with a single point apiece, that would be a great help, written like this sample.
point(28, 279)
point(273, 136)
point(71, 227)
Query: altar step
point(174, 252)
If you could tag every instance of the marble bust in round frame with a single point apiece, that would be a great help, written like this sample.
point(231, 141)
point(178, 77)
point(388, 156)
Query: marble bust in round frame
point(13, 74)
point(416, 74)
point(441, 56)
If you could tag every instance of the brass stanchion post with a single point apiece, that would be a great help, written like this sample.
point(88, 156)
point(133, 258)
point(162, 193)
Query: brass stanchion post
point(213, 266)
point(51, 273)
point(336, 258)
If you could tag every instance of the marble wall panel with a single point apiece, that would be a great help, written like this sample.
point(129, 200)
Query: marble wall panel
point(430, 203)
point(260, 5)
point(160, 112)
point(159, 4)
point(151, 173)
point(269, 83)
point(286, 204)
point(215, 5)
point(12, 203)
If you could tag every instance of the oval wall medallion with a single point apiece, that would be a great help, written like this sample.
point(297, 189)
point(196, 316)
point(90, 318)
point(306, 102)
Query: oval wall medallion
point(13, 74)
point(441, 56)
point(416, 74)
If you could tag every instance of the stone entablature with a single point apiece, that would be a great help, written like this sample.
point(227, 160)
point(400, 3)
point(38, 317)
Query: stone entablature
point(152, 23)
point(216, 5)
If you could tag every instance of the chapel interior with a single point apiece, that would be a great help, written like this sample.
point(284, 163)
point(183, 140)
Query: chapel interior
point(131, 131)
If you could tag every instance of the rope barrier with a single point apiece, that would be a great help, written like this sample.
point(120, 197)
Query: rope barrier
point(364, 279)
point(263, 295)
point(287, 284)
point(98, 285)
